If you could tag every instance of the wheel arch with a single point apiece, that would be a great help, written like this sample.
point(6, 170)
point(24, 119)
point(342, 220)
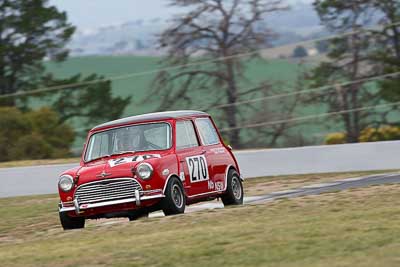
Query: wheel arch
point(228, 168)
point(169, 178)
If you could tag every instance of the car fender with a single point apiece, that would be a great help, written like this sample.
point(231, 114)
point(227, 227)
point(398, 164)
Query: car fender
point(167, 180)
point(226, 176)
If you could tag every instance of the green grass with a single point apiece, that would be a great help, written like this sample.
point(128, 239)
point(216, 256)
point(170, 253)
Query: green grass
point(357, 227)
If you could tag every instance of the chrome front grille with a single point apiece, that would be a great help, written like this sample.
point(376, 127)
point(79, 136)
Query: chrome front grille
point(105, 190)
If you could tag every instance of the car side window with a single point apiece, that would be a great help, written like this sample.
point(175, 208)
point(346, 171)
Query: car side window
point(208, 134)
point(185, 135)
point(158, 136)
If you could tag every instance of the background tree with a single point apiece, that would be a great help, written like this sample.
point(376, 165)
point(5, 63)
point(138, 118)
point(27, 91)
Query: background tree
point(212, 29)
point(322, 47)
point(387, 57)
point(299, 52)
point(29, 32)
point(88, 104)
point(32, 32)
point(349, 60)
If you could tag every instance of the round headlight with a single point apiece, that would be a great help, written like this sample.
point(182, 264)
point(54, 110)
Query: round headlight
point(144, 171)
point(66, 183)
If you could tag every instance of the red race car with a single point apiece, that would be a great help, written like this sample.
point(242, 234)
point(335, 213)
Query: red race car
point(158, 161)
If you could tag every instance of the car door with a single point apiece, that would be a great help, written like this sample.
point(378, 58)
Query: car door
point(193, 167)
point(215, 153)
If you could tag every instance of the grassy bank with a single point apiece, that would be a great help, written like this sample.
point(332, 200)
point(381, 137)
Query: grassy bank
point(26, 163)
point(352, 228)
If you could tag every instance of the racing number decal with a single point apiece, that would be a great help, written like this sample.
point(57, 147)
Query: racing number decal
point(198, 170)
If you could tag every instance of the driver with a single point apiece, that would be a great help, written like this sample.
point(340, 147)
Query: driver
point(130, 139)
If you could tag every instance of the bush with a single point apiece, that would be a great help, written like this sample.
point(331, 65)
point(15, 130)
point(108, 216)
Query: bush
point(31, 146)
point(335, 139)
point(300, 52)
point(33, 135)
point(383, 133)
point(370, 134)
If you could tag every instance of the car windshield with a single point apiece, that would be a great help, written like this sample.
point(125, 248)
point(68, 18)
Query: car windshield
point(142, 137)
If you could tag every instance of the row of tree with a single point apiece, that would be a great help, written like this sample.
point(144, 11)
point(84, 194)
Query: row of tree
point(359, 57)
point(32, 32)
point(235, 31)
point(225, 29)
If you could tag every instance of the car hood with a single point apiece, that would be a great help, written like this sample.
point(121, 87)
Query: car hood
point(115, 167)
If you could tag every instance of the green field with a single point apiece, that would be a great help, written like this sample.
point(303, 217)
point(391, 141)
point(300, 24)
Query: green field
point(137, 87)
point(281, 73)
point(356, 227)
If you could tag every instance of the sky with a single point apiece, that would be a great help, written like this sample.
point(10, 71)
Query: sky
point(91, 14)
point(95, 13)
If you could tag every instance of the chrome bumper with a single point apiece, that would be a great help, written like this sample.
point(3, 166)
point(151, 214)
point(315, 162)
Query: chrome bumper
point(80, 207)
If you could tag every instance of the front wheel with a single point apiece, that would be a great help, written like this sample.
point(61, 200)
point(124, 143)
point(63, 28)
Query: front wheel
point(70, 223)
point(234, 190)
point(175, 200)
point(137, 214)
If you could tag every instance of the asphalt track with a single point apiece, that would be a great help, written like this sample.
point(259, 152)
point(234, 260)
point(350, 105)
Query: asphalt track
point(36, 180)
point(314, 189)
point(31, 180)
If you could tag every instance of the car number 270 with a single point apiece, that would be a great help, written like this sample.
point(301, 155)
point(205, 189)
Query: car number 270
point(198, 170)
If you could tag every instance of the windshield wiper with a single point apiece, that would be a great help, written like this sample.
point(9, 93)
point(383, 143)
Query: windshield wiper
point(110, 155)
point(122, 153)
point(102, 157)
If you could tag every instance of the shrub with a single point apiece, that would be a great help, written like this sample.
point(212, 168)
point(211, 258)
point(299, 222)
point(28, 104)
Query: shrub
point(31, 146)
point(383, 133)
point(369, 134)
point(335, 138)
point(33, 135)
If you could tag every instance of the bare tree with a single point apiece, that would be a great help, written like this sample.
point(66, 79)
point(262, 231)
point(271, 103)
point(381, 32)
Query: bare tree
point(348, 60)
point(213, 29)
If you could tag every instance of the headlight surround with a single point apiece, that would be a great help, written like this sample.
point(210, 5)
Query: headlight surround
point(65, 183)
point(144, 171)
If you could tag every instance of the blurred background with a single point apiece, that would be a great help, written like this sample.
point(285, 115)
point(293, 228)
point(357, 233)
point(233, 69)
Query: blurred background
point(271, 73)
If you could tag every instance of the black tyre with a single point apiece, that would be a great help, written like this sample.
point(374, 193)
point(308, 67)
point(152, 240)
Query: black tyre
point(175, 200)
point(234, 190)
point(69, 223)
point(137, 214)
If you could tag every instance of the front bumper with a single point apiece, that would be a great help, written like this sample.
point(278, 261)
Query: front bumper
point(139, 197)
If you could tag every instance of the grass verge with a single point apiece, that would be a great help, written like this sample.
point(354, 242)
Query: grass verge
point(357, 227)
point(26, 163)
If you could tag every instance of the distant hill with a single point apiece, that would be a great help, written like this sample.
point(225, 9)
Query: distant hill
point(139, 37)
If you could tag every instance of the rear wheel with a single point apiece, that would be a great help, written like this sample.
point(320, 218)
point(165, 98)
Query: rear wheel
point(70, 223)
point(234, 190)
point(175, 200)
